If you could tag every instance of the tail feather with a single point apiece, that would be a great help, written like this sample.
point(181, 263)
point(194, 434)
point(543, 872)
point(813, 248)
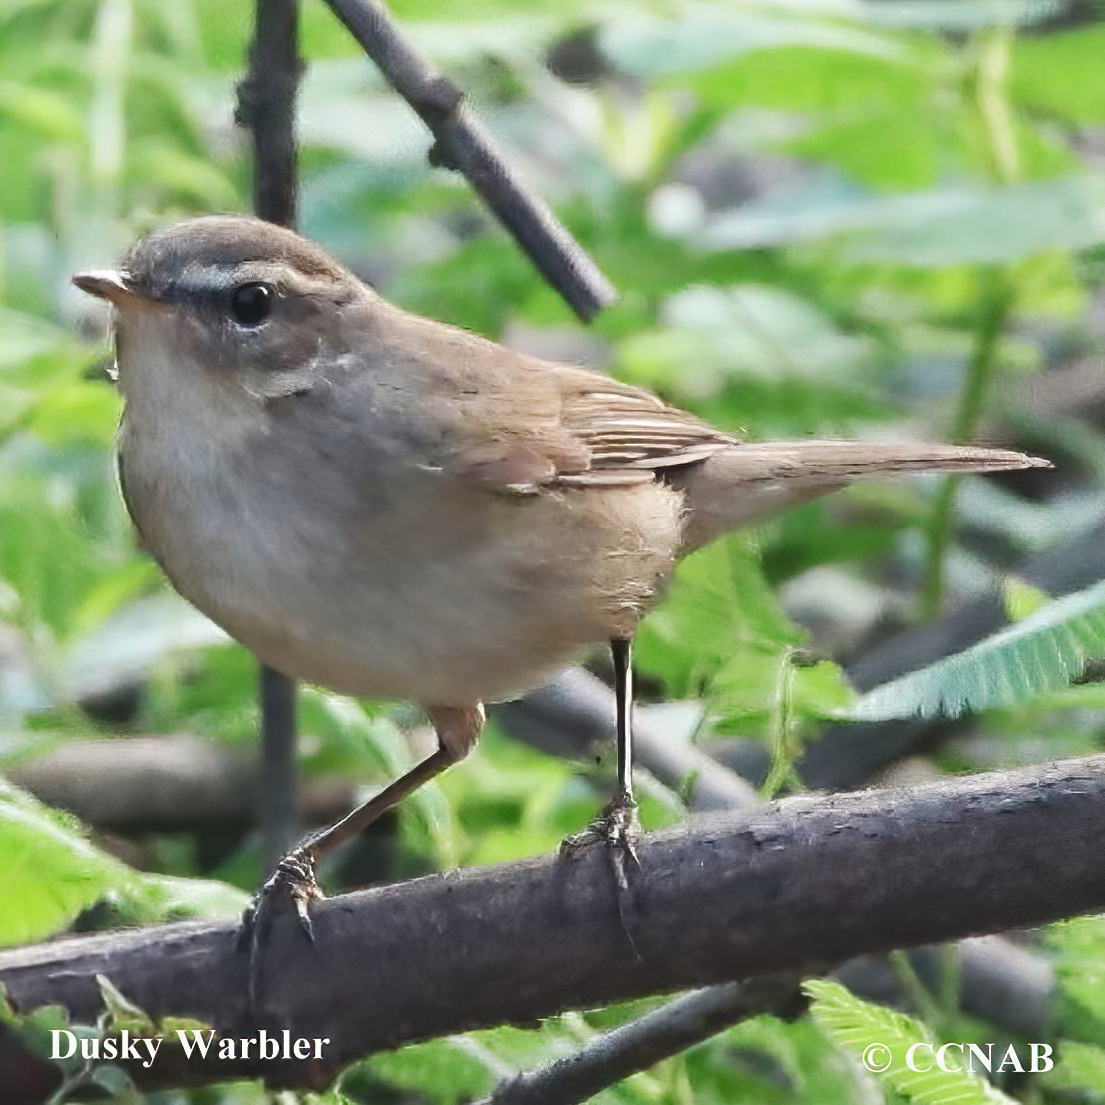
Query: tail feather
point(750, 482)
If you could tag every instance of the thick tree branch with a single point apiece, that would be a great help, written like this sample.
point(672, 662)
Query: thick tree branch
point(461, 143)
point(794, 886)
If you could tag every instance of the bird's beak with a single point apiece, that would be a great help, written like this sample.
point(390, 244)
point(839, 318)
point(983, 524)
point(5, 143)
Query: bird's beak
point(109, 285)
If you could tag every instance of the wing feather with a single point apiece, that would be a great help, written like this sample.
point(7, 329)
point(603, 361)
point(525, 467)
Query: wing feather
point(631, 433)
point(525, 425)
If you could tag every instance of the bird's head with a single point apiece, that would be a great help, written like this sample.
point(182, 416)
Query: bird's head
point(229, 305)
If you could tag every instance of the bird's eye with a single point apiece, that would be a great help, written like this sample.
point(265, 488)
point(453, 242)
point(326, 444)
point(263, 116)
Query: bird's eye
point(251, 304)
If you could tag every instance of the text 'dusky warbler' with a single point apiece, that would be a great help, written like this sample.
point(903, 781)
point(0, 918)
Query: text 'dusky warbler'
point(389, 506)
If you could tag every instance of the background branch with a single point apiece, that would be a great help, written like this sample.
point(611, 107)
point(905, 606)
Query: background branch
point(658, 1035)
point(575, 712)
point(266, 105)
point(461, 143)
point(175, 783)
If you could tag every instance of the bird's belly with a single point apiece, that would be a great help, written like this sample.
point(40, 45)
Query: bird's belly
point(441, 597)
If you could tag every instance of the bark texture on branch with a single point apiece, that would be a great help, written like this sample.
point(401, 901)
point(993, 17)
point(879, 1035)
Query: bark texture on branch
point(794, 886)
point(998, 980)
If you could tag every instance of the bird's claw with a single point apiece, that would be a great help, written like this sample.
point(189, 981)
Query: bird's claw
point(617, 826)
point(291, 886)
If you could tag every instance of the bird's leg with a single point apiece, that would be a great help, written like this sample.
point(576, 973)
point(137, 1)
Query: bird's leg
point(622, 811)
point(293, 885)
point(618, 825)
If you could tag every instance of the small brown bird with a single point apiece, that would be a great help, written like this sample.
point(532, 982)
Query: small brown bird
point(389, 506)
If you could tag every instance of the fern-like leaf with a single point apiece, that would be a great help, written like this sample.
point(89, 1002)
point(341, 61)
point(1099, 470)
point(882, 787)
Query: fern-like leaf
point(881, 1039)
point(1043, 652)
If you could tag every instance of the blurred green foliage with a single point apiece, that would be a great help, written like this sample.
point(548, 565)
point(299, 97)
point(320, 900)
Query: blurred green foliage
point(805, 206)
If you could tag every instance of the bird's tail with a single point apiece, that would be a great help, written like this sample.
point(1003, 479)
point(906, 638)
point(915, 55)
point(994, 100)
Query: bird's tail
point(750, 482)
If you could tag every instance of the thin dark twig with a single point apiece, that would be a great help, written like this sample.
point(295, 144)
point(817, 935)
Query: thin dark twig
point(266, 105)
point(674, 1027)
point(461, 143)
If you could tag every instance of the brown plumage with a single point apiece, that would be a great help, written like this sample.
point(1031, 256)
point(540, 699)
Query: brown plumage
point(389, 506)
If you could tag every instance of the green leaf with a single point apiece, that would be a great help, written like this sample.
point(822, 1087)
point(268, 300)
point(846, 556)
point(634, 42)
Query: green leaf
point(47, 554)
point(1043, 652)
point(1081, 1068)
point(721, 634)
point(1078, 946)
point(811, 535)
point(956, 15)
point(35, 1030)
point(356, 738)
point(113, 590)
point(991, 226)
point(42, 110)
point(75, 411)
point(937, 228)
point(746, 330)
point(1042, 74)
point(443, 1072)
point(877, 1034)
point(111, 1078)
point(822, 690)
point(156, 161)
point(719, 613)
point(170, 898)
point(1022, 599)
point(122, 1012)
point(353, 737)
point(51, 872)
point(25, 338)
point(704, 35)
point(510, 801)
point(884, 120)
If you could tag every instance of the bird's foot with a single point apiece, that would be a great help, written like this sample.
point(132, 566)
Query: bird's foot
point(618, 827)
point(292, 886)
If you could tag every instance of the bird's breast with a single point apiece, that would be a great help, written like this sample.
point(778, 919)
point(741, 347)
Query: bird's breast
point(396, 581)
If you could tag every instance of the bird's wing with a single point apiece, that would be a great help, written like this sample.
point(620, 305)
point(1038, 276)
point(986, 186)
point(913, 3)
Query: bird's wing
point(584, 431)
point(629, 433)
point(517, 424)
